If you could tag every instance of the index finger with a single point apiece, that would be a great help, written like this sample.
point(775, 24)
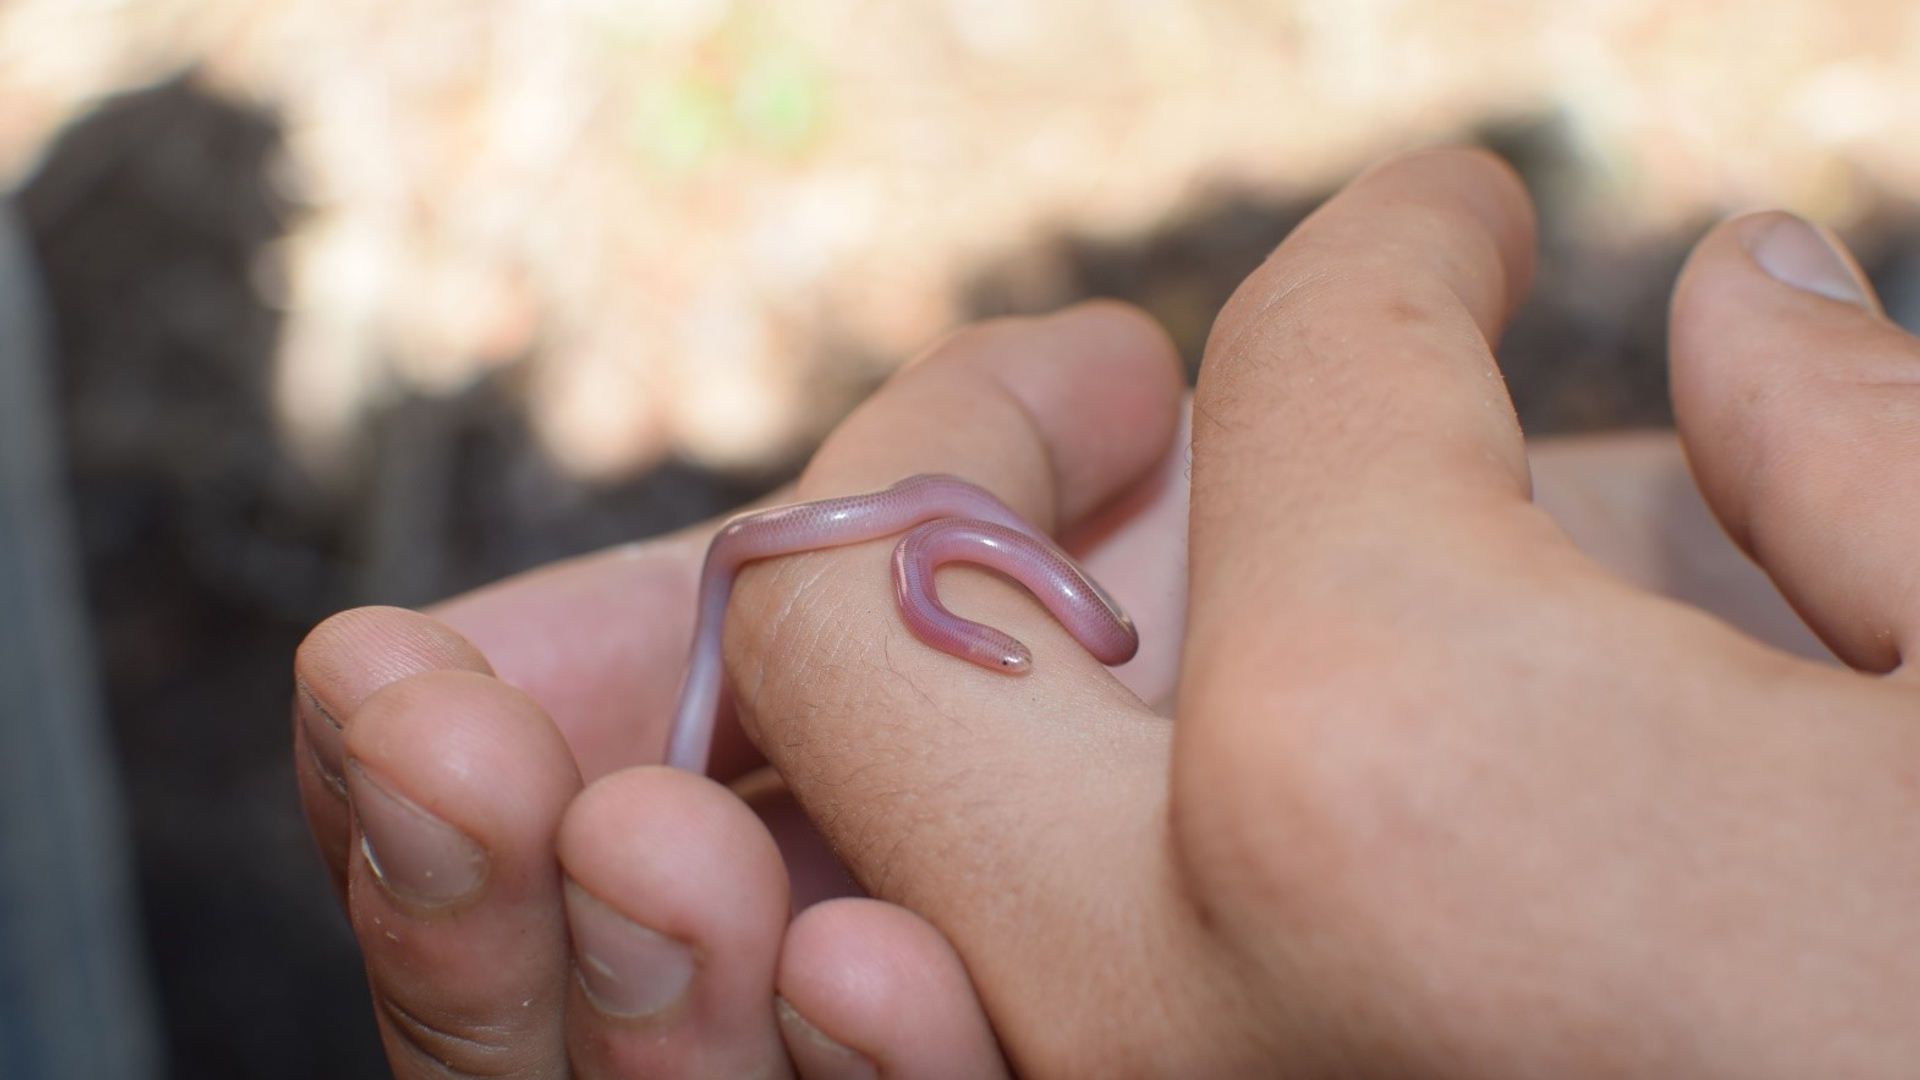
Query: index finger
point(943, 785)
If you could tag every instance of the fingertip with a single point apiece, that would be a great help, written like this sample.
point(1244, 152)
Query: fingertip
point(644, 831)
point(817, 1055)
point(351, 654)
point(883, 983)
point(1793, 396)
point(1774, 264)
point(1785, 248)
point(1746, 341)
point(1116, 371)
point(1055, 414)
point(457, 782)
point(678, 901)
point(472, 750)
point(1120, 351)
point(1728, 266)
point(1120, 333)
point(342, 662)
point(1492, 192)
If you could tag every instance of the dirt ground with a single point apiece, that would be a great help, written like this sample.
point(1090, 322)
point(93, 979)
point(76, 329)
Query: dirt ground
point(429, 321)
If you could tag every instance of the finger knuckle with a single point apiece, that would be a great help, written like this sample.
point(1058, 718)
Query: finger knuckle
point(432, 1045)
point(1329, 766)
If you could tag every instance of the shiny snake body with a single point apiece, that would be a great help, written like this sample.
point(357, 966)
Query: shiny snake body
point(947, 520)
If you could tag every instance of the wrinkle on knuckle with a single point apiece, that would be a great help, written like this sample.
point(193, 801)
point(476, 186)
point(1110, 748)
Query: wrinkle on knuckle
point(1800, 441)
point(1301, 846)
point(860, 738)
point(880, 786)
point(453, 1047)
point(1295, 338)
point(781, 622)
point(791, 627)
point(1330, 769)
point(818, 665)
point(1322, 762)
point(1254, 316)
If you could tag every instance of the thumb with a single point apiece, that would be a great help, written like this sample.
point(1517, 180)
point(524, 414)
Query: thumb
point(1799, 405)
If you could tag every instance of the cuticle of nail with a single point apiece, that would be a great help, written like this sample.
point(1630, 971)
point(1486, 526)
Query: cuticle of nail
point(427, 860)
point(325, 739)
point(793, 1020)
point(335, 780)
point(628, 970)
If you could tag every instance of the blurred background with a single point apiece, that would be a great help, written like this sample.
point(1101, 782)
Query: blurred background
point(356, 301)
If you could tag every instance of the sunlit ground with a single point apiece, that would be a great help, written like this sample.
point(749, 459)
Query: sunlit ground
point(671, 214)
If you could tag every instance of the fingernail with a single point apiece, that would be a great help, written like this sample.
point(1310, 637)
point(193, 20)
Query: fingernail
point(627, 969)
point(817, 1055)
point(419, 858)
point(1808, 257)
point(325, 738)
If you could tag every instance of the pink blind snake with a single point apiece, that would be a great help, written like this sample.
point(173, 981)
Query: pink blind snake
point(950, 520)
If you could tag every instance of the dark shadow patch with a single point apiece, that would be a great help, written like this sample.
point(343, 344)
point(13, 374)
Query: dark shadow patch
point(209, 554)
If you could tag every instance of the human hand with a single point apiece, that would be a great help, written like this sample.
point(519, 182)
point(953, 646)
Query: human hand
point(1444, 795)
point(490, 714)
